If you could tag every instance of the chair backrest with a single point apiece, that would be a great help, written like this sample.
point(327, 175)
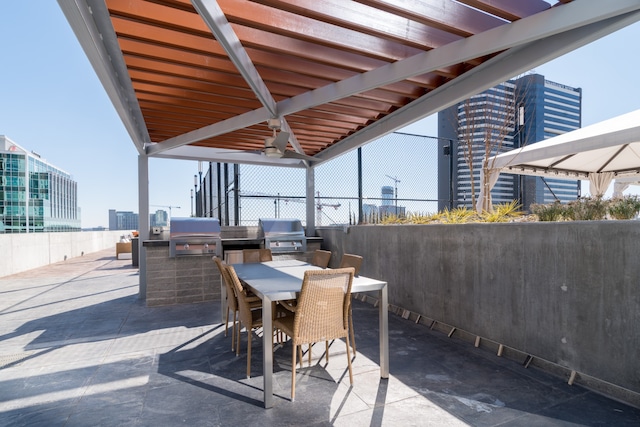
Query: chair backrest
point(322, 309)
point(256, 255)
point(351, 260)
point(232, 300)
point(241, 294)
point(321, 258)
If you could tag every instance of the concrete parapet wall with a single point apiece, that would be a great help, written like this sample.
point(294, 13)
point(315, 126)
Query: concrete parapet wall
point(567, 293)
point(22, 252)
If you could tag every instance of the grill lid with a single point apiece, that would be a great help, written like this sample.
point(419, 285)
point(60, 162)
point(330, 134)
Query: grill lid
point(271, 227)
point(194, 236)
point(282, 235)
point(194, 227)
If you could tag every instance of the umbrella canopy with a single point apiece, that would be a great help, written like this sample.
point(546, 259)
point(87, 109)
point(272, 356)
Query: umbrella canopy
point(599, 153)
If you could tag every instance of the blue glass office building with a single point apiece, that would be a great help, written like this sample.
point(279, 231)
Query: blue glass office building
point(518, 112)
point(550, 109)
point(122, 220)
point(35, 196)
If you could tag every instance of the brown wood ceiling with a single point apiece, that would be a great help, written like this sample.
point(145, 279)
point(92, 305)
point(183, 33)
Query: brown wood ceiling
point(184, 80)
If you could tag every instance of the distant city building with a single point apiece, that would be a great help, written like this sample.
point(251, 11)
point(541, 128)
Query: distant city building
point(368, 209)
point(35, 196)
point(387, 195)
point(389, 203)
point(522, 111)
point(159, 219)
point(126, 220)
point(550, 109)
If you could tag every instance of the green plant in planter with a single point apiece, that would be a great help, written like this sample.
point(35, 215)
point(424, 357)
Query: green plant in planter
point(503, 212)
point(626, 207)
point(393, 219)
point(587, 209)
point(555, 211)
point(458, 216)
point(419, 218)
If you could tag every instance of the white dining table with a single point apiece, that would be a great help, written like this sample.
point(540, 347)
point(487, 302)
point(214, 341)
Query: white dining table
point(281, 280)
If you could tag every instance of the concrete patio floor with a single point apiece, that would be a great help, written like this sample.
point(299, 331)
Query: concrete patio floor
point(78, 348)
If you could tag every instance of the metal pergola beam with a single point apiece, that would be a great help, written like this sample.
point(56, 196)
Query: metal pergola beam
point(495, 71)
point(100, 44)
point(541, 26)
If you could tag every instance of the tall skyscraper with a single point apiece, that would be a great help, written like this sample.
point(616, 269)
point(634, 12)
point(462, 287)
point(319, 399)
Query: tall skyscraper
point(389, 205)
point(511, 115)
point(35, 196)
point(160, 218)
point(550, 109)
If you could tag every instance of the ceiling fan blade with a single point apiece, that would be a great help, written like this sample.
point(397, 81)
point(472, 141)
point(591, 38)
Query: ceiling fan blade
point(239, 152)
point(281, 141)
point(288, 154)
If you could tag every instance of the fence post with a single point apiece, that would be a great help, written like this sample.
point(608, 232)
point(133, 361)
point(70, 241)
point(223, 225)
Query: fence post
point(310, 199)
point(360, 212)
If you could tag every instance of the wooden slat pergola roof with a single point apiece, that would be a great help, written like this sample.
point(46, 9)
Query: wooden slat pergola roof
point(201, 79)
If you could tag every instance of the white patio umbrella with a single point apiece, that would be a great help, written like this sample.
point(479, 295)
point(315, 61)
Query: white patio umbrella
point(598, 153)
point(621, 184)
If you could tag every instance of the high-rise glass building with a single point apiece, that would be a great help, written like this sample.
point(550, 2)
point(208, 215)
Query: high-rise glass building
point(35, 196)
point(550, 109)
point(122, 220)
point(159, 218)
point(513, 114)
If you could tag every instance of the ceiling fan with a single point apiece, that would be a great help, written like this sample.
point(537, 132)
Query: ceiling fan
point(275, 146)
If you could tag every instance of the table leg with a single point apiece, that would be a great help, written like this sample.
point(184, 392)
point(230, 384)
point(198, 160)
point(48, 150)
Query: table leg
point(267, 351)
point(384, 332)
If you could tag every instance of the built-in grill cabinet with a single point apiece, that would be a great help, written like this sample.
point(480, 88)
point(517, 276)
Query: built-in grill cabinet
point(194, 236)
point(282, 235)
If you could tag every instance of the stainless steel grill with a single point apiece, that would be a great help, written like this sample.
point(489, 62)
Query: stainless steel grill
point(194, 236)
point(282, 235)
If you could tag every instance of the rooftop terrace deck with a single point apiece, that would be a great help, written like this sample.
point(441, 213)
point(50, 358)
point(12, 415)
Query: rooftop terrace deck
point(77, 347)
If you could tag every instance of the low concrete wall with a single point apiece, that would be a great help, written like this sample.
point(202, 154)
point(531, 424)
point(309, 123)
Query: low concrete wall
point(567, 293)
point(22, 252)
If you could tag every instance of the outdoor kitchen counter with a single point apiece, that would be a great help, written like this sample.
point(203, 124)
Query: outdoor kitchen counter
point(150, 243)
point(239, 241)
point(195, 278)
point(177, 280)
point(249, 241)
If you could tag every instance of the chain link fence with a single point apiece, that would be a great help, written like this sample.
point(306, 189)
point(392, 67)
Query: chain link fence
point(399, 176)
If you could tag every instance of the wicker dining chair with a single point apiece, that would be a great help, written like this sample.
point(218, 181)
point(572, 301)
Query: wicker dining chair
point(232, 302)
point(321, 258)
point(320, 315)
point(256, 255)
point(249, 318)
point(351, 260)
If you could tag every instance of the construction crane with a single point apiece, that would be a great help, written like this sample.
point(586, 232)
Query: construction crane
point(319, 206)
point(168, 207)
point(277, 198)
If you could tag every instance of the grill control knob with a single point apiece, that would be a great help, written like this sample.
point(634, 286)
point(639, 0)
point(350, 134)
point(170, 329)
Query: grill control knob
point(186, 246)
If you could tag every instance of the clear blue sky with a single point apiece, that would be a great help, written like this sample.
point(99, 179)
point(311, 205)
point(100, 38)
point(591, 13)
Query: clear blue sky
point(51, 102)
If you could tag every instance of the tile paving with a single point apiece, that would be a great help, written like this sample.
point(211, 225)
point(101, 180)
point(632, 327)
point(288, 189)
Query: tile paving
point(78, 348)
